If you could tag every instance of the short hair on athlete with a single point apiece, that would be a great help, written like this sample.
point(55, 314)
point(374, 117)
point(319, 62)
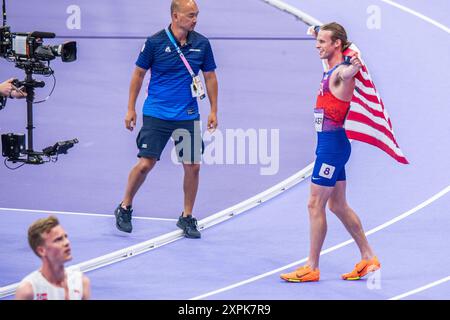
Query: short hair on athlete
point(39, 227)
point(337, 32)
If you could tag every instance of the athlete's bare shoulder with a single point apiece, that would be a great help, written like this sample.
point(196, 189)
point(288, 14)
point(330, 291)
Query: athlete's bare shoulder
point(24, 291)
point(86, 288)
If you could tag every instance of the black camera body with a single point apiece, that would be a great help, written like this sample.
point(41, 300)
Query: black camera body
point(27, 50)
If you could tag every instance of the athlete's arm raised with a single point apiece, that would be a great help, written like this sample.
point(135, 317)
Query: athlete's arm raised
point(351, 70)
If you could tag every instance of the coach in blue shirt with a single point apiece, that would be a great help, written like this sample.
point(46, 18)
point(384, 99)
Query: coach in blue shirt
point(171, 107)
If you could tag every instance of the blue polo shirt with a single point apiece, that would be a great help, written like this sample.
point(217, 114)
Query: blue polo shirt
point(169, 92)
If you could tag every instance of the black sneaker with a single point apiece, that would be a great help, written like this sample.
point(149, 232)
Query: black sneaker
point(189, 226)
point(123, 218)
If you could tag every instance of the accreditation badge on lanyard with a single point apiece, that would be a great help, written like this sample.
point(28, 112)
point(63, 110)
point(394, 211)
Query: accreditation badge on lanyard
point(197, 88)
point(318, 119)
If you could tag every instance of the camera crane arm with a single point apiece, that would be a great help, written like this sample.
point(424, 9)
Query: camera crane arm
point(30, 54)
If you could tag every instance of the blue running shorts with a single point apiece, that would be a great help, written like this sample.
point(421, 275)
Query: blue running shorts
point(332, 153)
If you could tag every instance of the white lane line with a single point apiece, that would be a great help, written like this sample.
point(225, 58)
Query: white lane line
point(309, 20)
point(170, 237)
point(79, 214)
point(334, 248)
point(423, 288)
point(417, 14)
point(301, 15)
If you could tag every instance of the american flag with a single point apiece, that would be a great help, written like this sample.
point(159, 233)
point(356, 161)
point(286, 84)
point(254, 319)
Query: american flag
point(368, 120)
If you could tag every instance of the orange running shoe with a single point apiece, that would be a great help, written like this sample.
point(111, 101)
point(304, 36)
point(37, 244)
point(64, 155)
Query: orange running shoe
point(362, 268)
point(302, 274)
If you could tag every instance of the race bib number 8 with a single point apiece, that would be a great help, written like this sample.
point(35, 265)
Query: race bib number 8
point(326, 171)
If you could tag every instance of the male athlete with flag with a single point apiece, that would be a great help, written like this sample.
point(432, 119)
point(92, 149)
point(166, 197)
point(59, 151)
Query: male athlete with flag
point(348, 106)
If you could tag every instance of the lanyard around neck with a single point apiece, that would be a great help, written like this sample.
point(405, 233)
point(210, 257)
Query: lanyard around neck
point(183, 58)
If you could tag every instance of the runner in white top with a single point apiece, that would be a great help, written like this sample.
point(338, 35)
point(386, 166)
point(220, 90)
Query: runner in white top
point(52, 281)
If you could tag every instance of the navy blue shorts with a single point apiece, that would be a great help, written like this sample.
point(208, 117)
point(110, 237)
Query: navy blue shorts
point(333, 151)
point(155, 133)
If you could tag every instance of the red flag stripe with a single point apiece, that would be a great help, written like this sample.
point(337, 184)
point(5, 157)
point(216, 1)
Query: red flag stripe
point(375, 142)
point(374, 106)
point(369, 92)
point(363, 119)
point(369, 97)
point(366, 90)
point(365, 82)
point(356, 108)
point(376, 113)
point(387, 115)
point(364, 74)
point(366, 129)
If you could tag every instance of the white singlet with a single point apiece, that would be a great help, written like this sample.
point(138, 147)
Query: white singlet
point(44, 290)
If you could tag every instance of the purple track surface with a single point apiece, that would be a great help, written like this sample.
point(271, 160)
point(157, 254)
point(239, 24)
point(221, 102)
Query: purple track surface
point(264, 84)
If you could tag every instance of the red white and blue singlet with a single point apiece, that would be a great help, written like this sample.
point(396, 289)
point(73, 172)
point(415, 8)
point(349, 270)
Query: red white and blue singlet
point(333, 147)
